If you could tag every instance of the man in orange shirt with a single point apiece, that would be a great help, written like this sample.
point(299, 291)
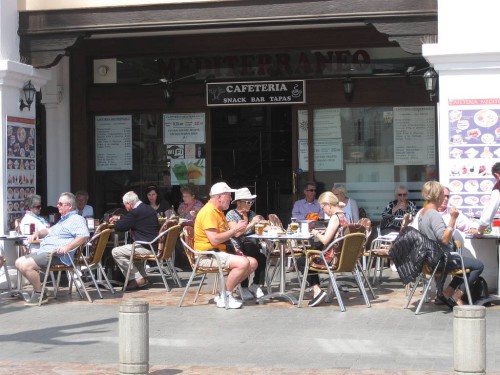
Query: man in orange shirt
point(211, 232)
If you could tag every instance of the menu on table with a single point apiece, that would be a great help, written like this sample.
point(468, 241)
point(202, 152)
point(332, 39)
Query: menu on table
point(474, 146)
point(21, 165)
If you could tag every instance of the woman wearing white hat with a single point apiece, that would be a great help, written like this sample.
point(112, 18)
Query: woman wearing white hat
point(244, 201)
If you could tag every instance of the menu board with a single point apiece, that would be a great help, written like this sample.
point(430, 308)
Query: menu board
point(21, 165)
point(328, 155)
point(414, 136)
point(327, 123)
point(473, 148)
point(184, 128)
point(113, 143)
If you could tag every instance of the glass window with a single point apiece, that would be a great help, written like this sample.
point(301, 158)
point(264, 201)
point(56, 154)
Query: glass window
point(150, 166)
point(355, 147)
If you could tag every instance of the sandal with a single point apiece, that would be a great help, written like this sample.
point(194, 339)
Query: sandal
point(448, 301)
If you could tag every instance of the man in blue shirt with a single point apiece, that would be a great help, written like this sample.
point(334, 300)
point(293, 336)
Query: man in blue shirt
point(69, 233)
point(307, 205)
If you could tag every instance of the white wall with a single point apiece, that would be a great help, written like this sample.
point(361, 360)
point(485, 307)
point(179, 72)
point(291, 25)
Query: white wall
point(467, 59)
point(9, 23)
point(13, 76)
point(55, 97)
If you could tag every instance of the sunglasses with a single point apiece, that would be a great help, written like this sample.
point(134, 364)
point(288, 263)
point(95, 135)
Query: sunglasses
point(403, 195)
point(247, 202)
point(310, 189)
point(37, 207)
point(447, 196)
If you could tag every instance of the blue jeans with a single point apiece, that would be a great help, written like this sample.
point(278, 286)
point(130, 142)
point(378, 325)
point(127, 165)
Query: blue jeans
point(476, 269)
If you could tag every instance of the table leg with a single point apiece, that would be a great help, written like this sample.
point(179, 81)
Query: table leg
point(282, 293)
point(492, 297)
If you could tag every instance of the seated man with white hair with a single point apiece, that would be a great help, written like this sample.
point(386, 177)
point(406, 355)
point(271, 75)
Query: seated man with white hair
point(69, 233)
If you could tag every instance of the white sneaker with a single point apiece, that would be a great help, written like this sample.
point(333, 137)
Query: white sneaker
point(232, 302)
point(393, 267)
point(246, 294)
point(256, 290)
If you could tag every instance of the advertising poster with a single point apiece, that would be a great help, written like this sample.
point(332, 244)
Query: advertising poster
point(21, 165)
point(187, 171)
point(473, 146)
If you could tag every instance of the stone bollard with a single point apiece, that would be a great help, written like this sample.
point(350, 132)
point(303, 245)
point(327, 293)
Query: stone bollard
point(134, 337)
point(469, 339)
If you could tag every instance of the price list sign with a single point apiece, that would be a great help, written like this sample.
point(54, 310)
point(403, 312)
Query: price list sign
point(113, 140)
point(414, 136)
point(184, 128)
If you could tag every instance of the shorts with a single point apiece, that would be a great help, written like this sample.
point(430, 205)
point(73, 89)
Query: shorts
point(209, 261)
point(42, 259)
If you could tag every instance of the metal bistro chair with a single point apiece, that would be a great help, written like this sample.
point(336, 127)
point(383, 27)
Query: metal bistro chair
point(166, 246)
point(364, 226)
point(187, 239)
point(92, 259)
point(70, 270)
point(351, 248)
point(379, 250)
point(426, 270)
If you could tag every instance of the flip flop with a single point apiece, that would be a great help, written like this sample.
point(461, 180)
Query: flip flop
point(448, 301)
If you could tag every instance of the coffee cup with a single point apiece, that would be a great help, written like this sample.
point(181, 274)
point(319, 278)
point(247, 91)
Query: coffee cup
point(12, 233)
point(259, 229)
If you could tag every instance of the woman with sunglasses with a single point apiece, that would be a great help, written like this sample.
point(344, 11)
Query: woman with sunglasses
point(243, 211)
point(32, 218)
point(392, 217)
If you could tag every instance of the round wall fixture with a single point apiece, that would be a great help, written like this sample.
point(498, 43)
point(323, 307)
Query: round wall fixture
point(102, 70)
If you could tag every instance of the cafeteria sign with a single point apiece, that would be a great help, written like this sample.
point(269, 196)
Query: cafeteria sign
point(254, 93)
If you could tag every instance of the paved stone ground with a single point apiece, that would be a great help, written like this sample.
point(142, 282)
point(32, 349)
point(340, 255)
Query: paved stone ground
point(69, 336)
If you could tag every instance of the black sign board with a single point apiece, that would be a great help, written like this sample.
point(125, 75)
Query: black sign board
point(256, 93)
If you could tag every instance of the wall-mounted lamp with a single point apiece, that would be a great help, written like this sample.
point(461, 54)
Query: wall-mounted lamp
point(348, 88)
point(168, 91)
point(29, 92)
point(430, 79)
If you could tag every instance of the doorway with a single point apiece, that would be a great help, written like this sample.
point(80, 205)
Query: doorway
point(251, 147)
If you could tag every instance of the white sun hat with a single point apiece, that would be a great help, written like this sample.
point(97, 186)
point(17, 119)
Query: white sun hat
point(221, 188)
point(243, 194)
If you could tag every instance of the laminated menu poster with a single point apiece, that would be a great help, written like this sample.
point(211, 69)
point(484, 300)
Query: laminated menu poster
point(414, 136)
point(113, 143)
point(21, 165)
point(474, 146)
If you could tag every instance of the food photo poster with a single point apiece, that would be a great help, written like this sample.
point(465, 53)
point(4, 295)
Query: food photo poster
point(188, 171)
point(21, 165)
point(474, 146)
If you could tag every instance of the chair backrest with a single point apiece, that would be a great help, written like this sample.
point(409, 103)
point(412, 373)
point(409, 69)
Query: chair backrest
point(161, 240)
point(187, 239)
point(98, 244)
point(352, 246)
point(168, 242)
point(275, 221)
point(93, 243)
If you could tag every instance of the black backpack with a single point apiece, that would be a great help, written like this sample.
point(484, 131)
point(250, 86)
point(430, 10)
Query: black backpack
point(478, 290)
